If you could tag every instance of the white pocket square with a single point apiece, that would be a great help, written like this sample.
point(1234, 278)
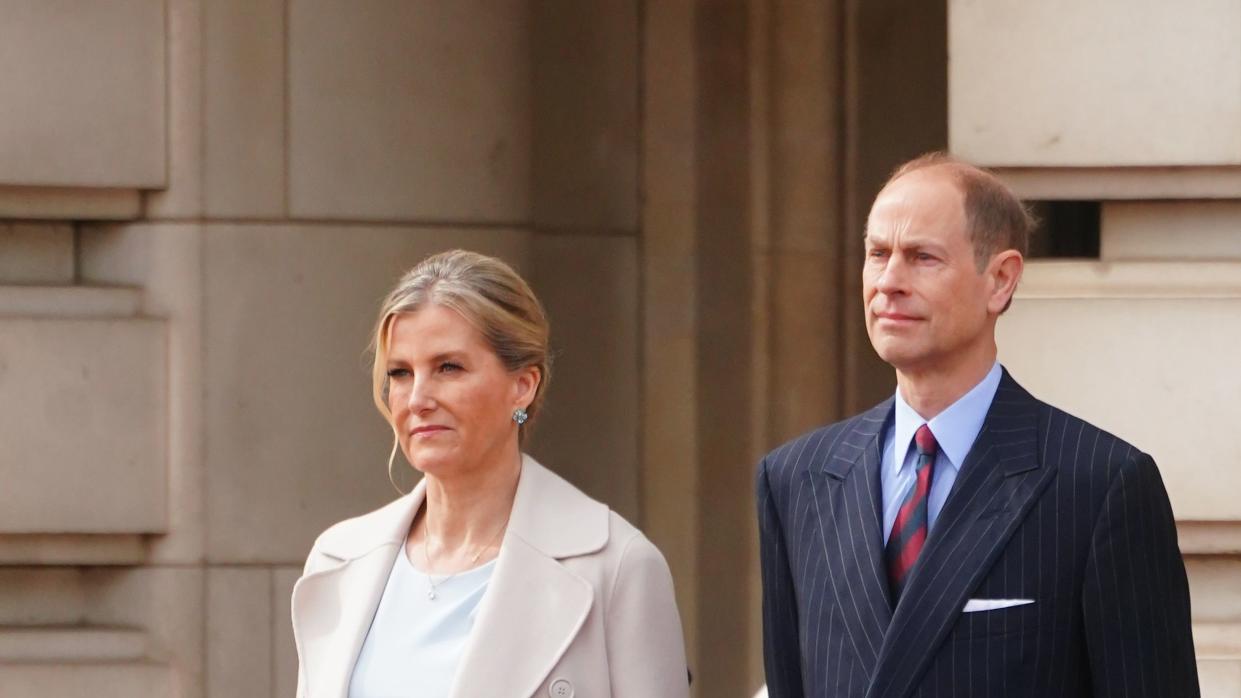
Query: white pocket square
point(975, 605)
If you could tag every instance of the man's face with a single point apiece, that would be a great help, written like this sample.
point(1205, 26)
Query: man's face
point(926, 302)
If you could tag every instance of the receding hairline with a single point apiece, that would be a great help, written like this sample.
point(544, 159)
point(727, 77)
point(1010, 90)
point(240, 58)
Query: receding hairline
point(995, 216)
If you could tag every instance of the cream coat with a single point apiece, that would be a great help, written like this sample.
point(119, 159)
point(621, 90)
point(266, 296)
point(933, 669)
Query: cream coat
point(580, 603)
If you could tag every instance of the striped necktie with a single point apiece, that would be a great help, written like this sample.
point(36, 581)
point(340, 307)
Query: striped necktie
point(909, 531)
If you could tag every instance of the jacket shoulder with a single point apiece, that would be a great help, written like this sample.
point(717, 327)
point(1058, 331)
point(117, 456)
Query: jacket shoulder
point(346, 533)
point(1081, 450)
point(817, 445)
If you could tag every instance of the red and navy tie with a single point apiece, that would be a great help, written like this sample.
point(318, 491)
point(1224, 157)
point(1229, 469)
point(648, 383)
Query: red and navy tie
point(909, 532)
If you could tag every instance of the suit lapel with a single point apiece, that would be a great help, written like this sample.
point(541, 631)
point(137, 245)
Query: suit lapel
point(344, 600)
point(332, 607)
point(850, 539)
point(534, 608)
point(997, 485)
point(534, 605)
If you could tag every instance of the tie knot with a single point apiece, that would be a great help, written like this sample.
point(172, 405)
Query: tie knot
point(925, 440)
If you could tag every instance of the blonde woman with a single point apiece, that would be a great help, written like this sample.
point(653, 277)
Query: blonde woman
point(493, 578)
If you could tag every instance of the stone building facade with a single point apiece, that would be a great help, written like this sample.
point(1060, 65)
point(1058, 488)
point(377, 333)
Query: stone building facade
point(202, 202)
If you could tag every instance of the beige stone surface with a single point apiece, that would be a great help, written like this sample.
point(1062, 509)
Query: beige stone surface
point(1175, 230)
point(84, 405)
point(284, 651)
point(1209, 537)
point(239, 632)
point(71, 644)
point(1219, 678)
point(167, 603)
point(42, 596)
point(293, 441)
point(84, 93)
point(70, 301)
point(585, 106)
point(409, 110)
point(164, 261)
point(105, 680)
point(1176, 343)
point(182, 195)
point(1217, 640)
point(1124, 183)
point(1105, 83)
point(588, 431)
point(669, 478)
point(1215, 585)
point(72, 549)
point(244, 83)
point(36, 253)
point(64, 203)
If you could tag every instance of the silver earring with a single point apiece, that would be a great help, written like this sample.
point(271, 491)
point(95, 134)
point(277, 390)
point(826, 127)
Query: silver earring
point(520, 416)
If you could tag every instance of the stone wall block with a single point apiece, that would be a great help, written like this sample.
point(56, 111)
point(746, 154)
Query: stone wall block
point(244, 83)
point(409, 110)
point(83, 93)
point(585, 72)
point(36, 253)
point(1106, 83)
point(84, 421)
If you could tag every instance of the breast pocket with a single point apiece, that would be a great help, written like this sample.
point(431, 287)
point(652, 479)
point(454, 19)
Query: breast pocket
point(997, 623)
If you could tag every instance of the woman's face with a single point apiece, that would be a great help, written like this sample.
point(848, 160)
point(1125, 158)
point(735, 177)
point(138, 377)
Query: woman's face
point(451, 399)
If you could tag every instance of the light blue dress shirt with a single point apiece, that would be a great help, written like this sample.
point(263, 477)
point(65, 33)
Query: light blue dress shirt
point(955, 430)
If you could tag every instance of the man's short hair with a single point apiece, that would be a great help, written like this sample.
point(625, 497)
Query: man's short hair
point(995, 218)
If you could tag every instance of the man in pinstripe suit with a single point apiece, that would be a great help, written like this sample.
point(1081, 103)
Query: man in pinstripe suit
point(963, 538)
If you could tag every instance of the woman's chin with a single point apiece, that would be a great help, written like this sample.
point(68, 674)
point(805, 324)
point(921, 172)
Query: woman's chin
point(436, 464)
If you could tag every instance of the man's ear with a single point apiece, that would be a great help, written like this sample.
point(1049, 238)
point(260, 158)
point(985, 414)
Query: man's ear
point(1004, 271)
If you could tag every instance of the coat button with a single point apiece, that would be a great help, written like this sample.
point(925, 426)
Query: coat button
point(560, 688)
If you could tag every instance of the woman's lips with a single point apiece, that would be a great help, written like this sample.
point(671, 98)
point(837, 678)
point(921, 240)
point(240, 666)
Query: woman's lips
point(428, 431)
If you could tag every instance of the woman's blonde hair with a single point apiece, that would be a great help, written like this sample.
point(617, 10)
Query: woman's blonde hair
point(491, 297)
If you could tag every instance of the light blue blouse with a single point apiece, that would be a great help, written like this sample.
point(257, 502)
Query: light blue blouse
point(415, 642)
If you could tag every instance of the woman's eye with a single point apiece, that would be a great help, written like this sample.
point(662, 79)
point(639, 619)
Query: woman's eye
point(449, 367)
point(398, 372)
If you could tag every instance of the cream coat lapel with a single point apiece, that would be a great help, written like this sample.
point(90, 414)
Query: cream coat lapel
point(534, 606)
point(334, 603)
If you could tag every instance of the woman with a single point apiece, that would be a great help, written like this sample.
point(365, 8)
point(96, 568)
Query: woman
point(494, 577)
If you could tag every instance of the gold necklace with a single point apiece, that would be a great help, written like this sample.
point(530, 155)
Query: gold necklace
point(432, 587)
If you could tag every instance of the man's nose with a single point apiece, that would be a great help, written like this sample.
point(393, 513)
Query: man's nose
point(893, 277)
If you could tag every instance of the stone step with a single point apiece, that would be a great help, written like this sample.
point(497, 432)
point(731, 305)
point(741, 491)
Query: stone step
point(87, 680)
point(70, 301)
point(70, 644)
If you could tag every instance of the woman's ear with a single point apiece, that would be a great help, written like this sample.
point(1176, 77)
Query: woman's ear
point(526, 385)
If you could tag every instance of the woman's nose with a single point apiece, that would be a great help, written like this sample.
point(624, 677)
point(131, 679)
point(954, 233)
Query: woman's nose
point(421, 397)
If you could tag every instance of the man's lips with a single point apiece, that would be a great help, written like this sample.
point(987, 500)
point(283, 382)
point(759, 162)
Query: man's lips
point(896, 317)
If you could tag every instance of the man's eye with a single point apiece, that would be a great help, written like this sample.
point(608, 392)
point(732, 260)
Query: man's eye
point(877, 253)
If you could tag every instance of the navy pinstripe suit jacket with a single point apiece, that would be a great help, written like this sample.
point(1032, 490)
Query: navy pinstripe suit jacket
point(1045, 507)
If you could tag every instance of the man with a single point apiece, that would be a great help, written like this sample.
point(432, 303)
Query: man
point(963, 538)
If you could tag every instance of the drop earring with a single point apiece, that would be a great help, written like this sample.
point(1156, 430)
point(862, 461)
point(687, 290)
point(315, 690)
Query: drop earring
point(520, 416)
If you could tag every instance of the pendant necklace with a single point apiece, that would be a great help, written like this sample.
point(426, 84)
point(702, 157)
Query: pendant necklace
point(432, 587)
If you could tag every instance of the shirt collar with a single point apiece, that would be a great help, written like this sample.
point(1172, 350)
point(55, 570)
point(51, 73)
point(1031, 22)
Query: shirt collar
point(955, 428)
